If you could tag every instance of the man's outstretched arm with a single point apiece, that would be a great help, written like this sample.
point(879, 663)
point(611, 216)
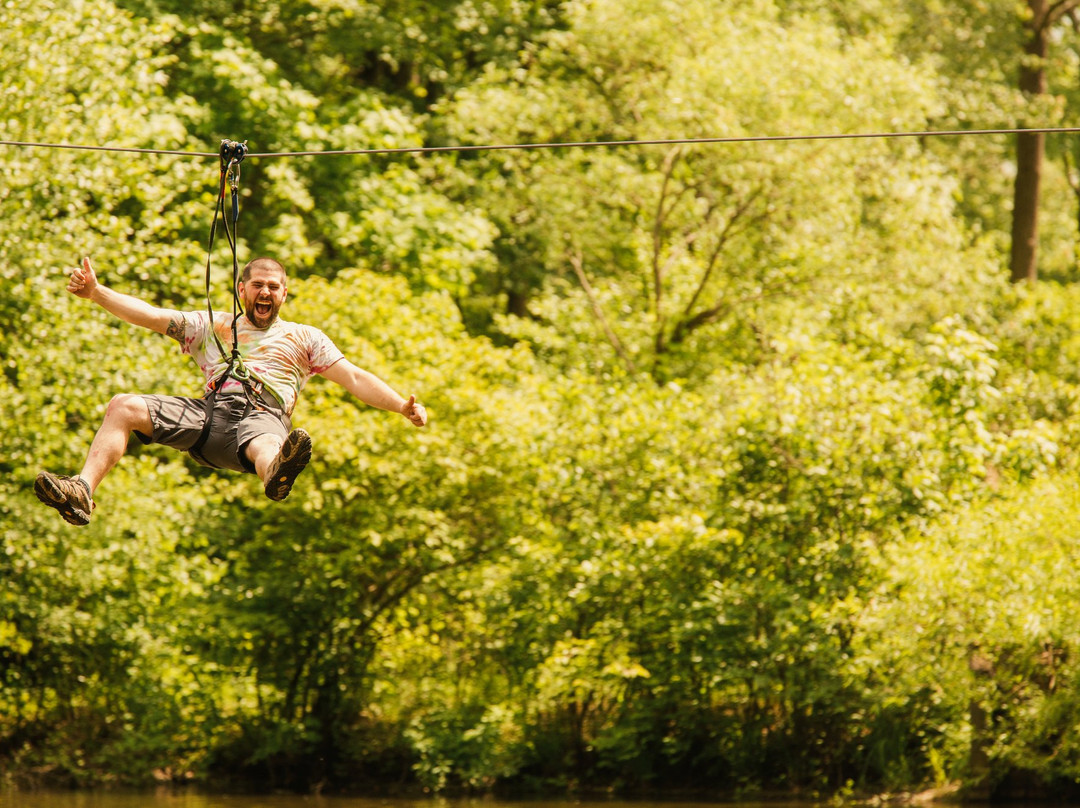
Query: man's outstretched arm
point(374, 392)
point(84, 283)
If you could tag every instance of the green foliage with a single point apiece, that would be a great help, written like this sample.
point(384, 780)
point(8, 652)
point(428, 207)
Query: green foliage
point(981, 644)
point(653, 256)
point(697, 607)
point(57, 205)
point(416, 50)
point(745, 466)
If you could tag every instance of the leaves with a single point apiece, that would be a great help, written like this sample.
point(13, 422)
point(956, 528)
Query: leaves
point(745, 467)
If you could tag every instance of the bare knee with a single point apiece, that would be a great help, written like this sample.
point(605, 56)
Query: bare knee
point(129, 411)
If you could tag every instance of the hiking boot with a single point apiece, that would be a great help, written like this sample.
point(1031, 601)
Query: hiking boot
point(69, 495)
point(293, 457)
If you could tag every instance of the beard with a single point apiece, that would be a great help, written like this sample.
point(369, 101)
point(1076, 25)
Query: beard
point(262, 315)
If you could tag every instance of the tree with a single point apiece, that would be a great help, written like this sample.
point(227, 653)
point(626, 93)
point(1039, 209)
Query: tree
point(405, 49)
point(664, 250)
point(745, 430)
point(998, 65)
point(1042, 17)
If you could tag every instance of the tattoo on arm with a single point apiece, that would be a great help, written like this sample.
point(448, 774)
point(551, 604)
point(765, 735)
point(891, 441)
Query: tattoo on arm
point(176, 329)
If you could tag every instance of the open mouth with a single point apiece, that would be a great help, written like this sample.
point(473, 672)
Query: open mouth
point(263, 309)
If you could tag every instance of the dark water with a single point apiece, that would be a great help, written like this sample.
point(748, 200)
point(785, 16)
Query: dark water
point(167, 798)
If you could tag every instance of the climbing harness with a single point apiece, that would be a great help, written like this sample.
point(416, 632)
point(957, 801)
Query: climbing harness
point(231, 154)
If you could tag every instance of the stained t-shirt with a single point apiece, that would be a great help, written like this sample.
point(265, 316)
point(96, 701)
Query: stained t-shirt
point(282, 357)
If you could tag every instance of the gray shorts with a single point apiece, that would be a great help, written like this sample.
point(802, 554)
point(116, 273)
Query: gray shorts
point(178, 422)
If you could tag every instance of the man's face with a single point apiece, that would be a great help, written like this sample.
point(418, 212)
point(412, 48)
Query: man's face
point(262, 294)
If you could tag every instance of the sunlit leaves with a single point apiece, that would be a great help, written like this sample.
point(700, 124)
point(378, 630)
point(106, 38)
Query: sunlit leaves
point(667, 250)
point(755, 428)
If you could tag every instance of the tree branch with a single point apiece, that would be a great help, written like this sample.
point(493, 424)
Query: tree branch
point(1055, 11)
point(714, 256)
point(657, 236)
point(577, 263)
point(1072, 176)
point(686, 327)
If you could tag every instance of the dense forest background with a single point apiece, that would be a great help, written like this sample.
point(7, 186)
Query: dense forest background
point(752, 467)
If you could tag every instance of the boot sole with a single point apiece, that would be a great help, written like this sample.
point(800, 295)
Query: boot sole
point(50, 493)
point(294, 457)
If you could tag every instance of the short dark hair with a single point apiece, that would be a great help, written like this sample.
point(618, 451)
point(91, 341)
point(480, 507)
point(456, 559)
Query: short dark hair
point(264, 264)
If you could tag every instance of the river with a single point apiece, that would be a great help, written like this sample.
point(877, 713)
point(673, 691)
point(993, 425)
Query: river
point(169, 798)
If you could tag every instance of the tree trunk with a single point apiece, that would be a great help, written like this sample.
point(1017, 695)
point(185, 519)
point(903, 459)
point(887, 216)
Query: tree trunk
point(1025, 224)
point(1029, 152)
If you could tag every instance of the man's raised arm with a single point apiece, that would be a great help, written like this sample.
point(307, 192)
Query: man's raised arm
point(84, 283)
point(373, 391)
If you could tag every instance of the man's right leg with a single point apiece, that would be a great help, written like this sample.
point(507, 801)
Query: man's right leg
point(278, 462)
point(73, 496)
point(125, 414)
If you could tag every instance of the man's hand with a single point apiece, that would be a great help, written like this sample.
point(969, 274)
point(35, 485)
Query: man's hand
point(83, 281)
point(414, 412)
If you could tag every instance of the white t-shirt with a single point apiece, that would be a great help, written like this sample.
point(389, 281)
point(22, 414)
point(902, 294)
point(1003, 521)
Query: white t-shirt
point(282, 357)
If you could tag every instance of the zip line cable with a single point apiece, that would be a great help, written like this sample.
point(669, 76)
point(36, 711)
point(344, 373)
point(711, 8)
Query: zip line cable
point(568, 145)
point(32, 144)
point(674, 141)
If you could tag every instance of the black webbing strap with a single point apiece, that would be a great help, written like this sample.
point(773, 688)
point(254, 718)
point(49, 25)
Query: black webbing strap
point(208, 401)
point(232, 153)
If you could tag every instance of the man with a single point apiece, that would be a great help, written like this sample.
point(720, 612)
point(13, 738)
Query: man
point(249, 424)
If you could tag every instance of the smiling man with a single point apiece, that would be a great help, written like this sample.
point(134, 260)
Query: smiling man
point(235, 426)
